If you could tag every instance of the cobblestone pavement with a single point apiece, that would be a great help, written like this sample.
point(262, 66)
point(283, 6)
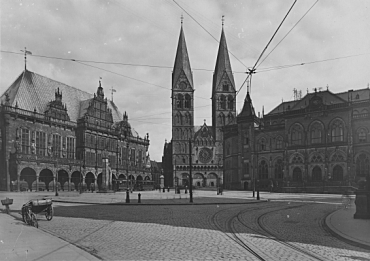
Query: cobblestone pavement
point(202, 232)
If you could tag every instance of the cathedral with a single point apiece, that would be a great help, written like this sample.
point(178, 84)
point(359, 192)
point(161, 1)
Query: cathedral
point(206, 141)
point(317, 143)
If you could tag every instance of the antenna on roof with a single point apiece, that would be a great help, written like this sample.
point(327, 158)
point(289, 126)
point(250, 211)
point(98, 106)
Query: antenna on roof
point(25, 57)
point(113, 90)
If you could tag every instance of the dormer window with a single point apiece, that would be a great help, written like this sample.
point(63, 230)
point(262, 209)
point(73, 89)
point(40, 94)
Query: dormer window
point(225, 87)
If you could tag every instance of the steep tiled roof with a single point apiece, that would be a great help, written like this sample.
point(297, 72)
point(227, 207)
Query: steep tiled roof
point(33, 91)
point(248, 109)
point(223, 65)
point(182, 63)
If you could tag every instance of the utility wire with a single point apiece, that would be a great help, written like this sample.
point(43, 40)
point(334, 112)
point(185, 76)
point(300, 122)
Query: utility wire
point(253, 69)
point(110, 63)
point(267, 69)
point(208, 32)
point(287, 33)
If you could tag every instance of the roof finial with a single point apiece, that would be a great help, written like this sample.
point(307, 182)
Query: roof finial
point(223, 20)
point(204, 121)
point(100, 78)
point(25, 57)
point(182, 19)
point(113, 90)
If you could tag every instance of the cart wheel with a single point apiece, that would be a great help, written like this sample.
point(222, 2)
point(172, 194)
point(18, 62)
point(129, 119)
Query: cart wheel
point(23, 216)
point(49, 213)
point(34, 221)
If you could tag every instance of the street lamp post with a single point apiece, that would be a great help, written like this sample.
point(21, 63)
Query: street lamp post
point(127, 189)
point(117, 162)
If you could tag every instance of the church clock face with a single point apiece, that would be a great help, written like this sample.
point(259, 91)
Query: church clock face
point(205, 155)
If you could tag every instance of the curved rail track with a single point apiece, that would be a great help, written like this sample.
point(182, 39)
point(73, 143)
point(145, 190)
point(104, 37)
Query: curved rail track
point(228, 228)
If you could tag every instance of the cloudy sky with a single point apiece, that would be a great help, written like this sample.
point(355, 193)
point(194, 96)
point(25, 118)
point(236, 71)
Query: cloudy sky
point(146, 33)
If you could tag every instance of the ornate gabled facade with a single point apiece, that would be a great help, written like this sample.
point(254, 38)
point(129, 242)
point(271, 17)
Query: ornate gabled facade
point(207, 141)
point(319, 143)
point(52, 133)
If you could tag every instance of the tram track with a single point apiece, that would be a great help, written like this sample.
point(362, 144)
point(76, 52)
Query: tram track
point(276, 238)
point(229, 230)
point(232, 233)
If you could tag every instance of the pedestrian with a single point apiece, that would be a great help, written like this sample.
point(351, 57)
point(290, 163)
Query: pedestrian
point(271, 186)
point(92, 187)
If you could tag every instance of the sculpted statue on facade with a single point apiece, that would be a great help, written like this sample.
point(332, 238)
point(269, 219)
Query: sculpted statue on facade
point(17, 145)
point(49, 149)
point(33, 147)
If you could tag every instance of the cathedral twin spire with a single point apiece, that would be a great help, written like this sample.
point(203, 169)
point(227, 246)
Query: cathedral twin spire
point(182, 63)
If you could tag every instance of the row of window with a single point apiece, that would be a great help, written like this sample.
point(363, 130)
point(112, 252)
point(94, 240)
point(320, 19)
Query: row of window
point(362, 168)
point(226, 102)
point(36, 142)
point(222, 119)
point(316, 136)
point(183, 119)
point(183, 101)
point(94, 141)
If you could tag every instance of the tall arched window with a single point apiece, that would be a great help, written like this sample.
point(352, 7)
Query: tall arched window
point(297, 174)
point(337, 131)
point(296, 135)
point(222, 102)
point(316, 133)
point(337, 173)
point(221, 118)
point(230, 118)
point(362, 165)
point(362, 135)
point(180, 101)
point(262, 144)
point(230, 102)
point(279, 174)
point(316, 174)
point(187, 101)
point(279, 143)
point(263, 170)
point(25, 140)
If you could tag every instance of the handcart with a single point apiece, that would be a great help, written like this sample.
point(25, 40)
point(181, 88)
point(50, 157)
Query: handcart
point(36, 206)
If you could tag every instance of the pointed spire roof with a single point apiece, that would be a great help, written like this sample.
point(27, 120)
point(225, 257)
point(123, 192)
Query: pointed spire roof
point(248, 109)
point(182, 63)
point(223, 65)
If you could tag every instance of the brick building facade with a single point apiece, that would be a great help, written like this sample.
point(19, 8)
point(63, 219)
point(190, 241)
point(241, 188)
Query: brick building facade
point(318, 143)
point(51, 132)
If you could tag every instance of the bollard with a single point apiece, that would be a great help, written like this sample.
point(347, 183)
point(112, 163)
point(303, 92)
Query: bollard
point(178, 191)
point(168, 189)
point(164, 190)
point(127, 196)
point(258, 195)
point(186, 191)
point(139, 198)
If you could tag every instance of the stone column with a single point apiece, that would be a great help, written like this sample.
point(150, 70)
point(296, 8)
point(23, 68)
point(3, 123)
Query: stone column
point(83, 183)
point(18, 182)
point(37, 182)
point(69, 183)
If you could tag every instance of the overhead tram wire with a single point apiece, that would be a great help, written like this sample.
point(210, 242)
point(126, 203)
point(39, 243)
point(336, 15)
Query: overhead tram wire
point(288, 33)
point(209, 32)
point(253, 69)
point(109, 63)
point(267, 69)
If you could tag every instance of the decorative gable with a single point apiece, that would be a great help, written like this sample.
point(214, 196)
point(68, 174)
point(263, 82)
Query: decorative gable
point(55, 109)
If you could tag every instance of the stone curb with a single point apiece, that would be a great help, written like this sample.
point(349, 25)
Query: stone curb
point(160, 204)
point(18, 216)
point(333, 231)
